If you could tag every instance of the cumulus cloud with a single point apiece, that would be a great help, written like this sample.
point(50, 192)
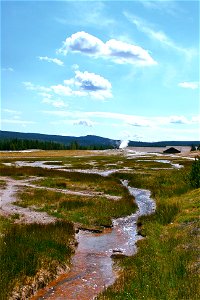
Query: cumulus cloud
point(189, 85)
point(118, 51)
point(86, 123)
point(89, 84)
point(53, 60)
point(122, 52)
point(82, 84)
point(82, 42)
point(61, 90)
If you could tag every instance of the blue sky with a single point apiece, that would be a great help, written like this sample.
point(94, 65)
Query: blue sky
point(117, 69)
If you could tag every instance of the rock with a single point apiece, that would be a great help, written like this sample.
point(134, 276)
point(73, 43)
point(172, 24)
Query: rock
point(118, 255)
point(117, 251)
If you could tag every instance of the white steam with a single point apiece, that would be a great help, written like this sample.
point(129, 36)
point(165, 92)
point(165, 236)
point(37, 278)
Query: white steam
point(123, 144)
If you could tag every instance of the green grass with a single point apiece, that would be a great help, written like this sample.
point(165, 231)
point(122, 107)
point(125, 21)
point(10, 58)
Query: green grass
point(90, 182)
point(93, 211)
point(26, 249)
point(2, 184)
point(162, 183)
point(166, 265)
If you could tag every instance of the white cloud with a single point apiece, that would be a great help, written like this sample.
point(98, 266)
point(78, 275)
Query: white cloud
point(140, 122)
point(49, 99)
point(86, 14)
point(118, 51)
point(11, 121)
point(189, 85)
point(196, 119)
point(132, 120)
point(61, 90)
point(86, 123)
point(11, 111)
point(165, 6)
point(82, 84)
point(178, 120)
point(82, 42)
point(9, 69)
point(48, 94)
point(56, 103)
point(53, 60)
point(123, 53)
point(33, 87)
point(75, 67)
point(157, 35)
point(90, 84)
point(150, 4)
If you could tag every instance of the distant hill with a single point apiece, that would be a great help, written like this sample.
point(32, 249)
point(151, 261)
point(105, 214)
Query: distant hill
point(89, 140)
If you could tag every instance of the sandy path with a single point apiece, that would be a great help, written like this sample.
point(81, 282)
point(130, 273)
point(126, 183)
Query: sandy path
point(29, 215)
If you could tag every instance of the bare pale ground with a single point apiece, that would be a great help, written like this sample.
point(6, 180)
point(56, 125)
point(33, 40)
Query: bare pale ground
point(189, 154)
point(29, 215)
point(185, 151)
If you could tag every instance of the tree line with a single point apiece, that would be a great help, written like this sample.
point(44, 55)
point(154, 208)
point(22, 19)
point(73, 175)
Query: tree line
point(26, 144)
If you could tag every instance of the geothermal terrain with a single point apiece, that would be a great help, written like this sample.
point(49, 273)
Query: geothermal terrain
point(74, 224)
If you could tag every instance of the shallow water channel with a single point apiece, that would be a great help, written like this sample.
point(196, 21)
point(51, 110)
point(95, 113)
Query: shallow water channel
point(92, 265)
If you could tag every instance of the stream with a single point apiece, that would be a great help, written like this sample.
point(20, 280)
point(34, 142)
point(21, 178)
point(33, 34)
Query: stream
point(92, 267)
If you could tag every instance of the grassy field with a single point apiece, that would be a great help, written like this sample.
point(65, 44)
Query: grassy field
point(165, 266)
point(93, 211)
point(32, 255)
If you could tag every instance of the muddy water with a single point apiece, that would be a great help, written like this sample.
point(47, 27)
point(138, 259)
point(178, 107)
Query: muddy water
point(92, 266)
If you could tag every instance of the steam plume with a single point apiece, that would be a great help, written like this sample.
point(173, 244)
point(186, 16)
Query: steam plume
point(123, 144)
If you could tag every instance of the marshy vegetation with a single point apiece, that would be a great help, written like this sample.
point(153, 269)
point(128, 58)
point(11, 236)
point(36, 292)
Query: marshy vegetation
point(31, 255)
point(94, 211)
point(165, 266)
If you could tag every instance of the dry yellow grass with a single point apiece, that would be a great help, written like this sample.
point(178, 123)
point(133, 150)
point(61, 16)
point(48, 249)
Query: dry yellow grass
point(48, 153)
